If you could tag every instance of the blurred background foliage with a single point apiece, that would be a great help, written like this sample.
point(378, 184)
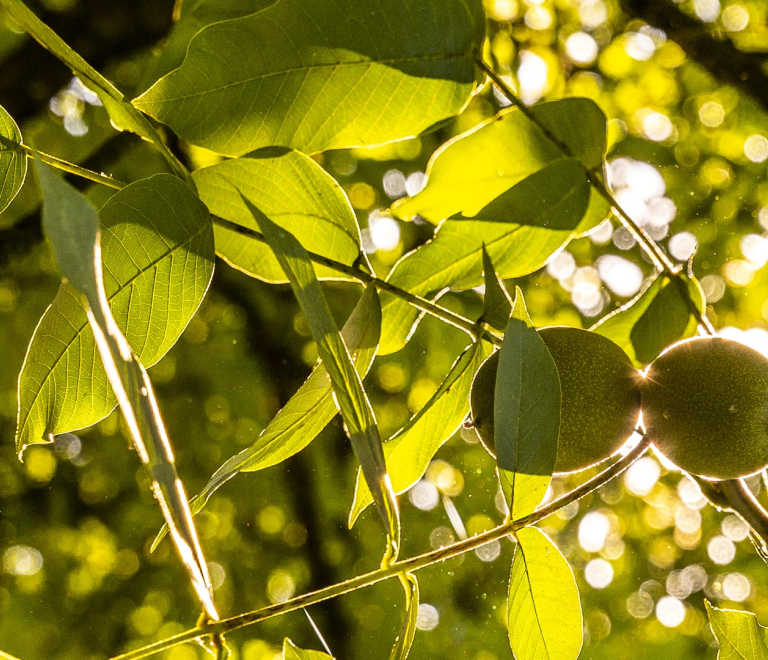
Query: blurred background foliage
point(687, 158)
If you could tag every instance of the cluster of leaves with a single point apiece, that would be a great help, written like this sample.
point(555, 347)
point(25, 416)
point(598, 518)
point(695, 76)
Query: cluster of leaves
point(137, 269)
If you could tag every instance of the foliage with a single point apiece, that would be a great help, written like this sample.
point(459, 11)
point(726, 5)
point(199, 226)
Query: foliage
point(402, 166)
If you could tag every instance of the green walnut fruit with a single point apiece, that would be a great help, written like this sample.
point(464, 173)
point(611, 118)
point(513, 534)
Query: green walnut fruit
point(600, 397)
point(705, 407)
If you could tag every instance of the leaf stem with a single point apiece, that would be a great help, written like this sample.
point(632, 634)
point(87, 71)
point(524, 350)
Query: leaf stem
point(60, 164)
point(397, 568)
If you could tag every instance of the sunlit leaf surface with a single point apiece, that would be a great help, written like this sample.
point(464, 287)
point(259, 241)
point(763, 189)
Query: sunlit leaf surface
point(544, 612)
point(314, 75)
point(295, 193)
point(739, 635)
point(157, 253)
point(13, 163)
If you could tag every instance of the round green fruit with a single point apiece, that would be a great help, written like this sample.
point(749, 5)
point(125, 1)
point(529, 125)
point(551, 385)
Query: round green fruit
point(600, 397)
point(705, 407)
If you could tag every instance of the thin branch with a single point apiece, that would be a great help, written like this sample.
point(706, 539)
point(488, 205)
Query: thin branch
point(438, 311)
point(396, 569)
point(63, 165)
point(657, 256)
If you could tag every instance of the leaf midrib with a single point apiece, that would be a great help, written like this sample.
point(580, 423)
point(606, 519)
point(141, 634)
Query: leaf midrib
point(150, 266)
point(300, 69)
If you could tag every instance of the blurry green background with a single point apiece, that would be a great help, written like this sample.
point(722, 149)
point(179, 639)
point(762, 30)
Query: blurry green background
point(688, 158)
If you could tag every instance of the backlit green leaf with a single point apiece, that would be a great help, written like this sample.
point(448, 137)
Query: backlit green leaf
point(473, 169)
point(13, 161)
point(543, 612)
point(738, 634)
point(355, 408)
point(521, 229)
point(293, 652)
point(315, 75)
point(307, 412)
point(71, 223)
point(157, 251)
point(291, 190)
point(526, 413)
point(657, 317)
point(410, 450)
point(497, 305)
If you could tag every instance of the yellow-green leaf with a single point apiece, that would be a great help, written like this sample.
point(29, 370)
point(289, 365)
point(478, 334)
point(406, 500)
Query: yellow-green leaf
point(739, 635)
point(355, 408)
point(543, 612)
point(521, 229)
point(157, 254)
point(13, 161)
point(410, 450)
point(307, 412)
point(71, 223)
point(291, 190)
point(315, 75)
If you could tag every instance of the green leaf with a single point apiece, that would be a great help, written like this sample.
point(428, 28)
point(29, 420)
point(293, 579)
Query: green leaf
point(355, 408)
point(526, 413)
point(521, 230)
point(293, 652)
point(307, 412)
point(315, 75)
point(497, 305)
point(410, 450)
point(738, 634)
point(123, 115)
point(543, 612)
point(194, 17)
point(157, 251)
point(470, 171)
point(657, 317)
point(291, 190)
point(408, 630)
point(13, 161)
point(71, 223)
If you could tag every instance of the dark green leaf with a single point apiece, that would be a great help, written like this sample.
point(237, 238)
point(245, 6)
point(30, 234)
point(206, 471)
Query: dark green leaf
point(526, 413)
point(293, 652)
point(408, 630)
point(410, 450)
point(72, 225)
point(157, 251)
point(657, 317)
point(521, 229)
point(738, 634)
point(13, 161)
point(355, 408)
point(543, 612)
point(497, 305)
point(307, 412)
point(291, 190)
point(315, 75)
